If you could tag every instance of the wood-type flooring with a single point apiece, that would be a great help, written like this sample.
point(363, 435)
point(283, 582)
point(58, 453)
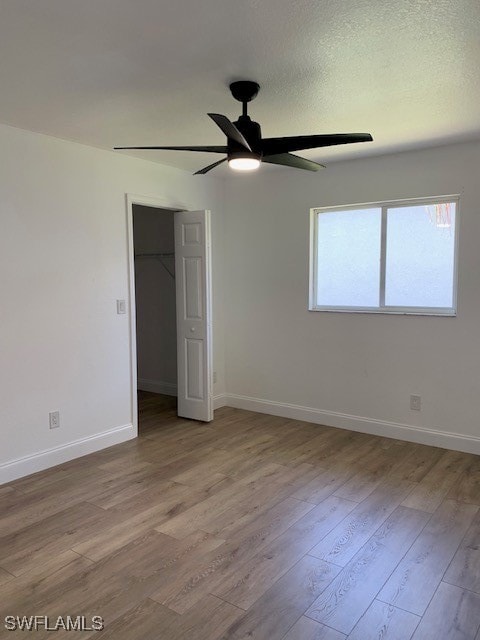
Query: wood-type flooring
point(251, 527)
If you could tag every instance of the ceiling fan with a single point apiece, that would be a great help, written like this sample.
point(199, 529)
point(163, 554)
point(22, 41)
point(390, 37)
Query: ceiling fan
point(246, 149)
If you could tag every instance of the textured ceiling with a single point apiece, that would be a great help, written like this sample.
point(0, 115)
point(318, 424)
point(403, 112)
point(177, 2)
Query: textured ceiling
point(142, 72)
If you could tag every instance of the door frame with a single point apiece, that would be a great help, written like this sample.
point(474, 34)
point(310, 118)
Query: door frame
point(158, 203)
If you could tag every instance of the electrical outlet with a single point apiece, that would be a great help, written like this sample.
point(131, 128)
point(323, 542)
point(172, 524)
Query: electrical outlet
point(214, 377)
point(415, 403)
point(121, 307)
point(54, 419)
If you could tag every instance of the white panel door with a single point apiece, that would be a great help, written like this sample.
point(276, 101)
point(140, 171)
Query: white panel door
point(194, 314)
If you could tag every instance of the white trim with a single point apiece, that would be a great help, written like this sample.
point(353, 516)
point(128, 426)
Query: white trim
point(131, 314)
point(159, 203)
point(220, 401)
point(209, 310)
point(458, 217)
point(312, 261)
point(403, 202)
point(157, 386)
point(383, 256)
point(399, 431)
point(26, 465)
point(446, 312)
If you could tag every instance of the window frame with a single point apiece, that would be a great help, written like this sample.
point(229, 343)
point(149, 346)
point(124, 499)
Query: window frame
point(382, 308)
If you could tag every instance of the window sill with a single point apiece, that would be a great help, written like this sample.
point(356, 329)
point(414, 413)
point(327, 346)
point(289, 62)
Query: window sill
point(439, 313)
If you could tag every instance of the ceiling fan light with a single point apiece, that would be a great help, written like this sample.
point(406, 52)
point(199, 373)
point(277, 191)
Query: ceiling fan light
point(244, 164)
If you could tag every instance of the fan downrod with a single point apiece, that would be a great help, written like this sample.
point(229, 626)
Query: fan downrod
point(244, 91)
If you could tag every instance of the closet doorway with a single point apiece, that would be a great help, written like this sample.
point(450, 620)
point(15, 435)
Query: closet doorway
point(170, 309)
point(156, 320)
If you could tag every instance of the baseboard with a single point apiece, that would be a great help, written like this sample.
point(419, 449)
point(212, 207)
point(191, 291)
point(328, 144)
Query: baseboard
point(157, 386)
point(14, 469)
point(27, 465)
point(220, 401)
point(420, 435)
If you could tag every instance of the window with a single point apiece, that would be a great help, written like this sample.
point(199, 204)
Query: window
point(394, 257)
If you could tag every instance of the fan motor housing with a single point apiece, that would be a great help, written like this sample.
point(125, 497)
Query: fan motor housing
point(252, 133)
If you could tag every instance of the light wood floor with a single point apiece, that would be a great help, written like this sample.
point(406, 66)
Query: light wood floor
point(251, 526)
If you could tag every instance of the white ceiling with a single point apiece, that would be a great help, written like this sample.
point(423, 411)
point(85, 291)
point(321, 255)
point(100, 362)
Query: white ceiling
point(145, 72)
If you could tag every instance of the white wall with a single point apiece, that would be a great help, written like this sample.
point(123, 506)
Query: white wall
point(63, 263)
point(63, 260)
point(356, 371)
point(155, 300)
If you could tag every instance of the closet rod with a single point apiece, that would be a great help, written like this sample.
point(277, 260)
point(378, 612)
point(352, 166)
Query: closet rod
point(160, 257)
point(154, 255)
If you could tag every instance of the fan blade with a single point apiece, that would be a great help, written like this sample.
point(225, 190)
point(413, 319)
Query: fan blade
point(273, 146)
point(289, 160)
point(229, 129)
point(211, 149)
point(209, 168)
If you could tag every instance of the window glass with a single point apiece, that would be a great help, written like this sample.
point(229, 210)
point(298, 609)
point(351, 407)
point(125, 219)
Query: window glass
point(348, 258)
point(389, 257)
point(420, 257)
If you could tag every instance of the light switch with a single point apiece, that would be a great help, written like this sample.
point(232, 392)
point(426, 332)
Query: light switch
point(121, 307)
